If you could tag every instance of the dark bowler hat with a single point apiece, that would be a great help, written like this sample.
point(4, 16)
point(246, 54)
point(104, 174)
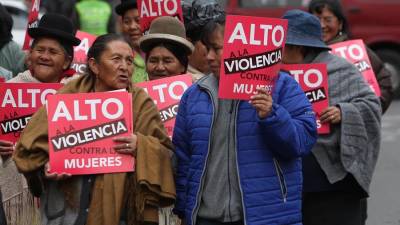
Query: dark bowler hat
point(125, 6)
point(57, 26)
point(304, 29)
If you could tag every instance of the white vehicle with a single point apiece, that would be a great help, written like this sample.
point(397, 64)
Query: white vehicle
point(19, 13)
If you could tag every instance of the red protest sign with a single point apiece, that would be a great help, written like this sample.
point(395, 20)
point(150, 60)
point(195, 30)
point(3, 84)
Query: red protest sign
point(151, 9)
point(2, 79)
point(80, 51)
point(167, 94)
point(81, 131)
point(19, 101)
point(33, 21)
point(313, 79)
point(355, 52)
point(252, 55)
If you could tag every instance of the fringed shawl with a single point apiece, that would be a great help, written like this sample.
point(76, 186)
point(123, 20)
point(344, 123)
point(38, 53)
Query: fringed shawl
point(142, 192)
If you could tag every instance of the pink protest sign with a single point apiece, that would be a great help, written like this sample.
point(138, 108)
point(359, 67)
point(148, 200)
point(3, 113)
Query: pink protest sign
point(19, 101)
point(252, 55)
point(80, 51)
point(167, 94)
point(33, 21)
point(355, 52)
point(151, 9)
point(313, 79)
point(81, 131)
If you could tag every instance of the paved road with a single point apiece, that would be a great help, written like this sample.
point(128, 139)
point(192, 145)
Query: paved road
point(384, 203)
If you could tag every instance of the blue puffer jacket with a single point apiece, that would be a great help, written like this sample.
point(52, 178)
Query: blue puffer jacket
point(268, 152)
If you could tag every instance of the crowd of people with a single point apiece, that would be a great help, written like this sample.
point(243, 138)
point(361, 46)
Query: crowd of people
point(229, 162)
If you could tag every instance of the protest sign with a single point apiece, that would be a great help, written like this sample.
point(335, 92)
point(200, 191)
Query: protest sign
point(167, 94)
point(151, 9)
point(2, 79)
point(355, 52)
point(81, 131)
point(80, 51)
point(252, 55)
point(313, 79)
point(19, 101)
point(33, 21)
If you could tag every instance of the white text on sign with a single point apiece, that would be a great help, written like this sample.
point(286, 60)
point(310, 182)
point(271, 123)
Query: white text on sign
point(170, 7)
point(63, 112)
point(37, 96)
point(239, 34)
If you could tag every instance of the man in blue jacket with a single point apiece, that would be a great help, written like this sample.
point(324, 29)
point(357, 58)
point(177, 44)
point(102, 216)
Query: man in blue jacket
point(239, 161)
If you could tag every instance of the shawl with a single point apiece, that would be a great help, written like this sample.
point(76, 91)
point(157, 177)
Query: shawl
point(151, 186)
point(353, 146)
point(18, 202)
point(26, 77)
point(382, 74)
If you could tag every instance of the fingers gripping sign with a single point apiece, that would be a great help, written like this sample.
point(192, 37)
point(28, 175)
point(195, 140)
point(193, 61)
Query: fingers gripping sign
point(54, 176)
point(331, 115)
point(126, 145)
point(6, 148)
point(262, 101)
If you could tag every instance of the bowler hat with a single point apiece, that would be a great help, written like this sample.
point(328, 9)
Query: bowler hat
point(304, 29)
point(166, 29)
point(124, 6)
point(57, 26)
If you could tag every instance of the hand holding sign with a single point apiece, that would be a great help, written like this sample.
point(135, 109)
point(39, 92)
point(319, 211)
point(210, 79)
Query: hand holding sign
point(54, 176)
point(6, 148)
point(262, 101)
point(331, 115)
point(126, 145)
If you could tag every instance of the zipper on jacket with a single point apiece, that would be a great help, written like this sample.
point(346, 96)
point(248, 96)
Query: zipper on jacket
point(197, 204)
point(237, 167)
point(281, 178)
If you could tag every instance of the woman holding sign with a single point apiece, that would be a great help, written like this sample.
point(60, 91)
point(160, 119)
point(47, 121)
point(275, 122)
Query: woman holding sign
point(166, 47)
point(114, 198)
point(239, 161)
point(335, 30)
point(50, 58)
point(338, 173)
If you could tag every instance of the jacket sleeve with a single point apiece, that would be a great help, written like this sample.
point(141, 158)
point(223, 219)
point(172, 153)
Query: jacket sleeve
point(383, 76)
point(290, 128)
point(181, 143)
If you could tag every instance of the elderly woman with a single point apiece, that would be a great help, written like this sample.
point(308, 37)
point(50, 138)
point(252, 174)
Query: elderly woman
point(120, 198)
point(50, 58)
point(166, 48)
point(335, 29)
point(338, 173)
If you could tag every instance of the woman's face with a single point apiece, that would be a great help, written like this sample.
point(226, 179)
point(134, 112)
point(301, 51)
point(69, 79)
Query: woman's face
point(114, 68)
point(48, 60)
point(215, 50)
point(131, 27)
point(198, 59)
point(330, 24)
point(292, 55)
point(162, 63)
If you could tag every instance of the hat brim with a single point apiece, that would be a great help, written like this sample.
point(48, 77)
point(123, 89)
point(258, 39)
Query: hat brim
point(123, 7)
point(44, 32)
point(308, 41)
point(147, 41)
